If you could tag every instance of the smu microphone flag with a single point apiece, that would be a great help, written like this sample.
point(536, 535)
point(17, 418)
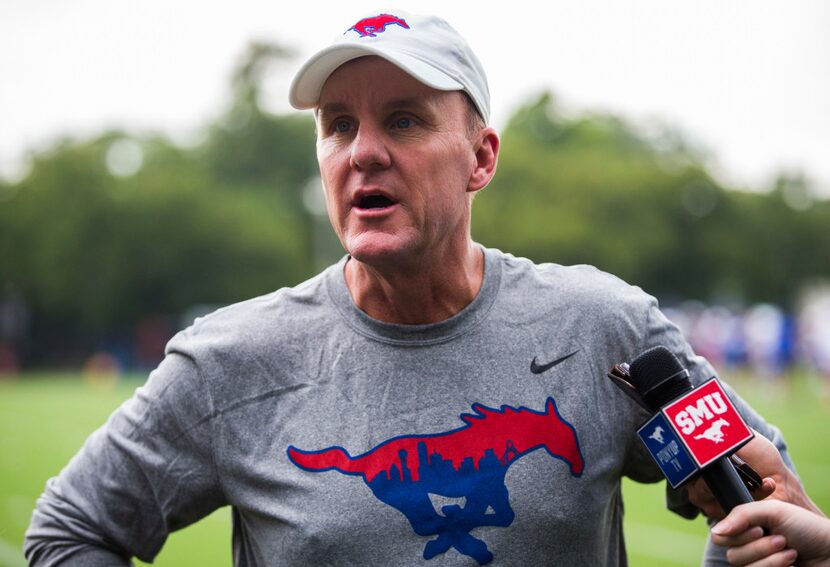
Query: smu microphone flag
point(694, 431)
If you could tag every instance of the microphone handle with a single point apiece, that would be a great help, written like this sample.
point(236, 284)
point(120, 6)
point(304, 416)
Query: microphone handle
point(725, 484)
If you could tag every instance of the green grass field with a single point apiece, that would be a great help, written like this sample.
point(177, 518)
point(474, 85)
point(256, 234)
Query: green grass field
point(44, 419)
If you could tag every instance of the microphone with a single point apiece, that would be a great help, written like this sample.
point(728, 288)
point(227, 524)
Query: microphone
point(659, 378)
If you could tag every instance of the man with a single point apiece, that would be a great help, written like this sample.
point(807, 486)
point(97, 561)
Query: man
point(424, 401)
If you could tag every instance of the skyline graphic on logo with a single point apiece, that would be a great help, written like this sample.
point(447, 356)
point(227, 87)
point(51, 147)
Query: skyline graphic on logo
point(464, 467)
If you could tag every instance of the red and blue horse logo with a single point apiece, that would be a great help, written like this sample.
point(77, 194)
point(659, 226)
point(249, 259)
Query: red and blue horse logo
point(467, 465)
point(369, 27)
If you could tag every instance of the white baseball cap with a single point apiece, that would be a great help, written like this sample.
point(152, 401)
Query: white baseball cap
point(426, 47)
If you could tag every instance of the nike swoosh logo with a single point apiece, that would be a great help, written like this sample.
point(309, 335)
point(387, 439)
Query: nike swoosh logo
point(539, 368)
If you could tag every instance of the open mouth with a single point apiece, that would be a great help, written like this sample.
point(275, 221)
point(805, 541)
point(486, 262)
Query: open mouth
point(375, 202)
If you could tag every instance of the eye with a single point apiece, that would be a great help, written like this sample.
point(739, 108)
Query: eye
point(404, 123)
point(342, 126)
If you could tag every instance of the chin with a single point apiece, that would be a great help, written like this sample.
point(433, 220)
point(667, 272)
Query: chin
point(378, 250)
point(374, 255)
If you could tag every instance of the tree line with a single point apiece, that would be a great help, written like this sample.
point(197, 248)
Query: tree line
point(104, 231)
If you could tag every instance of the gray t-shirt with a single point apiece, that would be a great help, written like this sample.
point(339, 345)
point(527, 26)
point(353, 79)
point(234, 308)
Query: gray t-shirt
point(342, 440)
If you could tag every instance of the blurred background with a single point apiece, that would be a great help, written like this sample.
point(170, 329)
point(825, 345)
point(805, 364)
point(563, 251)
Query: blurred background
point(151, 171)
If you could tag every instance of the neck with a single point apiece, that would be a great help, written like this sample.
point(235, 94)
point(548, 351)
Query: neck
point(423, 292)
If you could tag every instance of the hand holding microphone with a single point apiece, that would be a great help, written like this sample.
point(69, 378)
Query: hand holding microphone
point(766, 460)
point(657, 381)
point(793, 533)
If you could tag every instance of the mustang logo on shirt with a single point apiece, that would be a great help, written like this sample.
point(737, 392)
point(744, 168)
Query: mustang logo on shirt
point(467, 465)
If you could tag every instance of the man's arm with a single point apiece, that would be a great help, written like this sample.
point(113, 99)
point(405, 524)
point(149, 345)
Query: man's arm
point(148, 471)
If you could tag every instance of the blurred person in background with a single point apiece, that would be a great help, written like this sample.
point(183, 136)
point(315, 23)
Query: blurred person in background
point(369, 416)
point(814, 332)
point(767, 328)
point(14, 328)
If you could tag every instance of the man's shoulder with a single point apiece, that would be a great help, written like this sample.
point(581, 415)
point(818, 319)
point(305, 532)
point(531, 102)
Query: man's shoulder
point(580, 284)
point(261, 321)
point(579, 304)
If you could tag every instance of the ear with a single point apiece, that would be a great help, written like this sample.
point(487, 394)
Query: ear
point(486, 155)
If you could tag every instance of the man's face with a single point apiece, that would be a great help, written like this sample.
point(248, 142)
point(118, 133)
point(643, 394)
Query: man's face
point(396, 159)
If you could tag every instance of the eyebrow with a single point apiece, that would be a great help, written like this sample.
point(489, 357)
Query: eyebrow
point(331, 108)
point(414, 104)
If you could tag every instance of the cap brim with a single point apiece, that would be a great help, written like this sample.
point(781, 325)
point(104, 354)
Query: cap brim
point(309, 80)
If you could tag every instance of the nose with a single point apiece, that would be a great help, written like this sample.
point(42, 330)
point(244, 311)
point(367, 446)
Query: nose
point(369, 149)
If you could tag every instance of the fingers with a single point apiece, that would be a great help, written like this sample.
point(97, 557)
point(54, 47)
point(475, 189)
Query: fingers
point(769, 551)
point(736, 537)
point(742, 533)
point(768, 486)
point(784, 558)
point(745, 516)
point(700, 495)
point(743, 521)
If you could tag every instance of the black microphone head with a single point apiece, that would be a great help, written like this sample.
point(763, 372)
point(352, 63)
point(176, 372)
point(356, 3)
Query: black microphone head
point(658, 376)
point(652, 367)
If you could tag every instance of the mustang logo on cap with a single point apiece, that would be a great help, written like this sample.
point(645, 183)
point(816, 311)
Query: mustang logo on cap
point(368, 27)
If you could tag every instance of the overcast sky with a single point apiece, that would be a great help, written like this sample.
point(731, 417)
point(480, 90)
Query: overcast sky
point(747, 80)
